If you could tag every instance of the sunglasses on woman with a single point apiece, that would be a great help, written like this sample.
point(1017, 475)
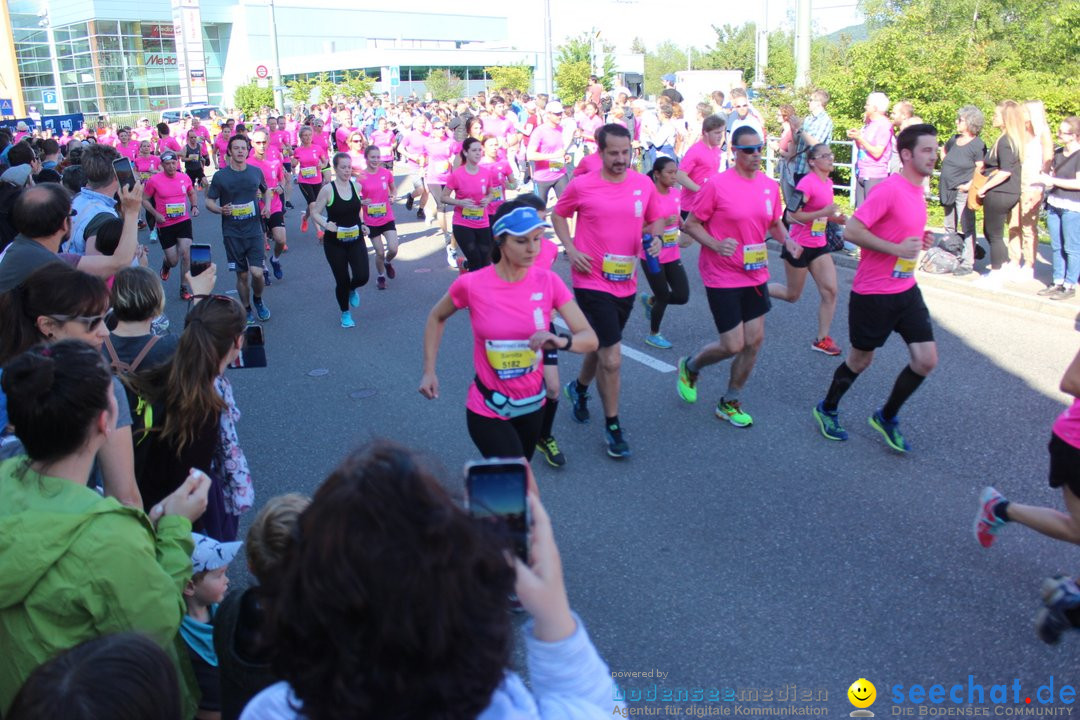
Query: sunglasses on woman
point(90, 322)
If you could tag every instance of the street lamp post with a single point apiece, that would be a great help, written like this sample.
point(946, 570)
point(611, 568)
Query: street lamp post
point(279, 99)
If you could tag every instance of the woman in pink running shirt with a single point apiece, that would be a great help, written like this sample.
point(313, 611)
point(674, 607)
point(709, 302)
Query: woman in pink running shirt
point(357, 151)
point(126, 146)
point(500, 172)
point(468, 190)
point(510, 305)
point(383, 139)
point(437, 156)
point(589, 124)
point(377, 194)
point(147, 165)
point(669, 286)
point(310, 161)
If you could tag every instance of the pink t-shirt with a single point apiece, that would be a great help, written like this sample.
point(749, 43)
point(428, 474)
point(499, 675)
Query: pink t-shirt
point(504, 316)
point(203, 132)
point(279, 139)
point(700, 163)
point(375, 187)
point(169, 143)
point(499, 127)
point(322, 139)
point(273, 175)
point(880, 133)
point(549, 253)
point(359, 162)
point(170, 196)
point(221, 144)
point(1067, 425)
point(732, 206)
point(547, 139)
point(384, 140)
point(470, 186)
point(438, 154)
point(817, 194)
point(589, 126)
point(341, 135)
point(499, 172)
point(591, 163)
point(146, 165)
point(611, 220)
point(412, 147)
point(309, 157)
point(669, 206)
point(128, 150)
point(144, 133)
point(895, 210)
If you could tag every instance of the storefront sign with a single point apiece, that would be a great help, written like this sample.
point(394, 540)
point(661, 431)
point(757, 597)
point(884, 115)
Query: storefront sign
point(190, 60)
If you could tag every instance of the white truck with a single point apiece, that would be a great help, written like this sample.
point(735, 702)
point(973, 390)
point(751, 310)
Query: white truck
point(698, 85)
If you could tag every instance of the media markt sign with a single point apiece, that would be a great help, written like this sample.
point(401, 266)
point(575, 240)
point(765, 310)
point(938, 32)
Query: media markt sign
point(159, 60)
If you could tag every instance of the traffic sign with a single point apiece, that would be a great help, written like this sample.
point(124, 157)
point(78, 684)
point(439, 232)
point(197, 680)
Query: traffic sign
point(48, 99)
point(6, 107)
point(262, 71)
point(395, 75)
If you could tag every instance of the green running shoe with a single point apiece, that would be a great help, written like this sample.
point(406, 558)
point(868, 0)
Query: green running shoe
point(890, 430)
point(687, 382)
point(733, 413)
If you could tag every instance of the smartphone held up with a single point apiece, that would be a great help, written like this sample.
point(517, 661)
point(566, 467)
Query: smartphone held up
point(495, 491)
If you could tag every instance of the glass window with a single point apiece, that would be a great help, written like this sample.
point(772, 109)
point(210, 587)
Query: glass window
point(77, 30)
point(108, 42)
point(130, 28)
point(80, 46)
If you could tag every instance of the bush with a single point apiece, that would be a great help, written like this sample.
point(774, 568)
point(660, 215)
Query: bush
point(250, 98)
point(444, 85)
point(515, 77)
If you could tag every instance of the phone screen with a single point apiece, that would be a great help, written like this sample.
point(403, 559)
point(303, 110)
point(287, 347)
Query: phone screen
point(496, 492)
point(200, 258)
point(125, 173)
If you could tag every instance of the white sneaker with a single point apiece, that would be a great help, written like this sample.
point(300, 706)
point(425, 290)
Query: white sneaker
point(991, 280)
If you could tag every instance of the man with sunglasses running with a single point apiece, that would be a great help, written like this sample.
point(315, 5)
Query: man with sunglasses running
point(731, 217)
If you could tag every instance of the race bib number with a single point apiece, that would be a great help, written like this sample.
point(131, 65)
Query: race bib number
point(510, 358)
point(473, 213)
point(348, 234)
point(376, 210)
point(755, 257)
point(309, 173)
point(670, 238)
point(145, 176)
point(818, 228)
point(904, 268)
point(497, 193)
point(618, 268)
point(243, 212)
point(175, 210)
point(555, 165)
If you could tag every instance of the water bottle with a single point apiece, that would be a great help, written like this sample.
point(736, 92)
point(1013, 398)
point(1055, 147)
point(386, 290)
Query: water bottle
point(652, 262)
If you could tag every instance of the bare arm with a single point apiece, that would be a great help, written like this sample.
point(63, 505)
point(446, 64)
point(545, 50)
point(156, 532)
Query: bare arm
point(1070, 382)
point(117, 458)
point(696, 229)
point(684, 180)
point(433, 332)
point(858, 233)
point(318, 212)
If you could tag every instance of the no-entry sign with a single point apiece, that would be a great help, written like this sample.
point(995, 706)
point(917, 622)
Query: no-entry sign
point(262, 71)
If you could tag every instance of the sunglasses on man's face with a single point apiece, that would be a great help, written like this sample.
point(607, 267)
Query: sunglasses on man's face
point(748, 149)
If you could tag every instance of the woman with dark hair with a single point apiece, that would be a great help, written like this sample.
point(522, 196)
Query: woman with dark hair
point(961, 157)
point(810, 208)
point(468, 190)
point(669, 286)
point(510, 305)
point(195, 415)
point(141, 681)
point(77, 565)
point(1063, 211)
point(343, 242)
point(377, 192)
point(311, 160)
point(394, 603)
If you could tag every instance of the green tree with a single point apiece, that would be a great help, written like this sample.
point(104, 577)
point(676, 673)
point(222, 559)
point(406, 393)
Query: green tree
point(638, 46)
point(325, 87)
point(515, 77)
point(444, 85)
point(734, 50)
point(355, 84)
point(578, 49)
point(571, 80)
point(251, 98)
point(300, 91)
point(667, 58)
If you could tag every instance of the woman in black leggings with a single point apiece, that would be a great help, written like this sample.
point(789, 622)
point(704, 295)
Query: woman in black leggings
point(1002, 189)
point(343, 242)
point(669, 286)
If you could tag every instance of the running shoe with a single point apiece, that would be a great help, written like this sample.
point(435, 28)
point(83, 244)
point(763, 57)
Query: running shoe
point(890, 430)
point(288, 204)
point(251, 320)
point(261, 309)
point(687, 382)
point(1050, 624)
point(354, 298)
point(266, 277)
point(276, 264)
point(579, 408)
point(550, 450)
point(658, 341)
point(827, 346)
point(390, 271)
point(346, 320)
point(829, 422)
point(153, 236)
point(420, 214)
point(409, 202)
point(451, 257)
point(319, 234)
point(380, 282)
point(165, 271)
point(733, 413)
point(142, 224)
point(304, 224)
point(185, 293)
point(617, 447)
point(647, 303)
point(1061, 592)
point(987, 523)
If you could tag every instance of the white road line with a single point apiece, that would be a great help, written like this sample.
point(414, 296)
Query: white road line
point(643, 358)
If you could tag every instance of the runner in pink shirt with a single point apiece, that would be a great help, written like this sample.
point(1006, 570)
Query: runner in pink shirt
point(126, 146)
point(221, 143)
point(145, 165)
point(309, 162)
point(732, 215)
point(377, 194)
point(890, 227)
point(811, 210)
point(284, 141)
point(438, 154)
point(468, 190)
point(272, 166)
point(669, 286)
point(320, 137)
point(510, 305)
point(144, 131)
point(412, 150)
point(589, 124)
point(589, 164)
point(165, 140)
point(169, 196)
point(383, 139)
point(703, 161)
point(500, 172)
point(503, 128)
point(547, 149)
point(357, 148)
point(614, 209)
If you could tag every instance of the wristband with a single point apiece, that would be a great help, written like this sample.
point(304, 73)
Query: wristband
point(569, 342)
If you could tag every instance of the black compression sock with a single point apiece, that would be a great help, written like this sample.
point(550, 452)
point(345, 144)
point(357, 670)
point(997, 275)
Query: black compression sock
point(1001, 510)
point(550, 407)
point(581, 388)
point(613, 422)
point(841, 381)
point(906, 383)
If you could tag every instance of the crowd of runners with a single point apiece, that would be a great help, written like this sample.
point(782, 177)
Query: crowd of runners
point(623, 185)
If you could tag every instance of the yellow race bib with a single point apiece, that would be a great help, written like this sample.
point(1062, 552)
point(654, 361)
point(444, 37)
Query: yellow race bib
point(497, 193)
point(755, 257)
point(309, 173)
point(175, 210)
point(348, 234)
point(473, 213)
point(670, 238)
point(817, 229)
point(376, 210)
point(555, 165)
point(618, 268)
point(511, 358)
point(243, 212)
point(904, 268)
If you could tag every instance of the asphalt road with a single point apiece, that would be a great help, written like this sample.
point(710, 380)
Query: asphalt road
point(723, 558)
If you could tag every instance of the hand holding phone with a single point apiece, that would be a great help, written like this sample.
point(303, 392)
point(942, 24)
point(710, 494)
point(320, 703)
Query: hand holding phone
point(495, 491)
point(200, 258)
point(125, 173)
point(540, 586)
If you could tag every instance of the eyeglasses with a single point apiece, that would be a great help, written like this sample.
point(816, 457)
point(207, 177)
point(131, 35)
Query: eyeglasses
point(749, 149)
point(258, 142)
point(824, 156)
point(90, 322)
point(741, 107)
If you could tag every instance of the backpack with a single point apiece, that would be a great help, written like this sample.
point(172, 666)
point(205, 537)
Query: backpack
point(142, 411)
point(9, 193)
point(939, 261)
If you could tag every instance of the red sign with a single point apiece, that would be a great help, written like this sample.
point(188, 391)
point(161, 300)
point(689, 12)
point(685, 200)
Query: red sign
point(262, 71)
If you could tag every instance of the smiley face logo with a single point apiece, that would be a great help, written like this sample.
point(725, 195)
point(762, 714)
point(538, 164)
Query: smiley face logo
point(862, 693)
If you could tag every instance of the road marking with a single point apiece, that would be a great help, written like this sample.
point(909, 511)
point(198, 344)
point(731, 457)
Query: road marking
point(627, 351)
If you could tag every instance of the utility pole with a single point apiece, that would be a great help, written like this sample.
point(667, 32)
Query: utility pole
point(803, 13)
point(548, 80)
point(762, 54)
point(275, 73)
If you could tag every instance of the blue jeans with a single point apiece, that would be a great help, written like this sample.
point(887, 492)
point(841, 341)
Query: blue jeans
point(1064, 227)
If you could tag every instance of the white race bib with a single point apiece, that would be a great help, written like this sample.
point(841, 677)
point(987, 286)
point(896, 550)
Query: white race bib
point(309, 173)
point(175, 210)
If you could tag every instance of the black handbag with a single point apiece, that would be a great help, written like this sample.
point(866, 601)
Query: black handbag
point(834, 236)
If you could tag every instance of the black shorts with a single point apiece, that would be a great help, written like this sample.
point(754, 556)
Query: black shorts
point(605, 312)
point(375, 231)
point(310, 191)
point(872, 318)
point(732, 307)
point(684, 214)
point(1064, 464)
point(194, 171)
point(275, 220)
point(808, 256)
point(243, 253)
point(169, 235)
point(287, 166)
